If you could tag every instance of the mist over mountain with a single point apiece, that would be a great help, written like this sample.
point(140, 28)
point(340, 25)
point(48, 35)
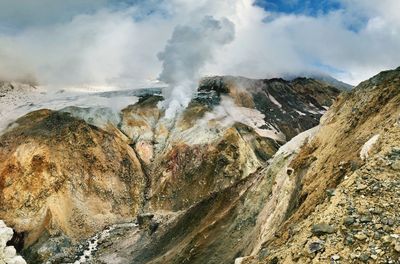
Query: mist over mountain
point(324, 78)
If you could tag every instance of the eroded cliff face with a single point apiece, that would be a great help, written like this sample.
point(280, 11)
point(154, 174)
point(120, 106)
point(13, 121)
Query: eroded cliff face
point(178, 154)
point(222, 137)
point(201, 184)
point(345, 208)
point(226, 224)
point(59, 174)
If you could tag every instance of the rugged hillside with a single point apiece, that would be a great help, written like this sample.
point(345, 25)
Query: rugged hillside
point(328, 195)
point(59, 174)
point(220, 228)
point(346, 206)
point(199, 185)
point(289, 106)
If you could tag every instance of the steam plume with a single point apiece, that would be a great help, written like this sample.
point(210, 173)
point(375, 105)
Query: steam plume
point(186, 53)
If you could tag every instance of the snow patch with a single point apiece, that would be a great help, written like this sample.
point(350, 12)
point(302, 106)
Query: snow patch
point(227, 113)
point(366, 148)
point(22, 100)
point(273, 100)
point(300, 113)
point(313, 112)
point(295, 143)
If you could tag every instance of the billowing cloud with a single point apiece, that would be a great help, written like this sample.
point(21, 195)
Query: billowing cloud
point(351, 43)
point(101, 48)
point(117, 42)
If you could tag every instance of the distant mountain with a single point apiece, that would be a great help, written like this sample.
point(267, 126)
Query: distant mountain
point(334, 82)
point(323, 78)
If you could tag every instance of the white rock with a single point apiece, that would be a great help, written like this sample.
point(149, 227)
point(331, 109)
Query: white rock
point(239, 260)
point(16, 260)
point(6, 234)
point(366, 148)
point(9, 252)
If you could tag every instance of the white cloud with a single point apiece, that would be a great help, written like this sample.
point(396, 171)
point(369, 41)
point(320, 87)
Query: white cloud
point(108, 45)
point(100, 48)
point(297, 43)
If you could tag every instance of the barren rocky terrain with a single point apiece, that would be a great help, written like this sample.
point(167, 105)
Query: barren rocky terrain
point(249, 172)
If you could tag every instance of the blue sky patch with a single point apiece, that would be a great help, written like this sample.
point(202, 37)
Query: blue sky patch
point(305, 7)
point(328, 68)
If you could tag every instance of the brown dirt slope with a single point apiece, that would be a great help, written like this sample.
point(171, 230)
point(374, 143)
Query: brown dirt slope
point(59, 174)
point(357, 197)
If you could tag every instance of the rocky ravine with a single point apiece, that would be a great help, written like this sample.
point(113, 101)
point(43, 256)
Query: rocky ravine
point(200, 187)
point(330, 195)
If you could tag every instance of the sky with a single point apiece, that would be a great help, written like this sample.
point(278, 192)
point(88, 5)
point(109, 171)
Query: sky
point(135, 43)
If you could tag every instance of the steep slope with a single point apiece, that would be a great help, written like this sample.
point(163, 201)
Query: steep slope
point(202, 174)
point(217, 219)
point(58, 174)
point(289, 106)
point(345, 208)
point(221, 227)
